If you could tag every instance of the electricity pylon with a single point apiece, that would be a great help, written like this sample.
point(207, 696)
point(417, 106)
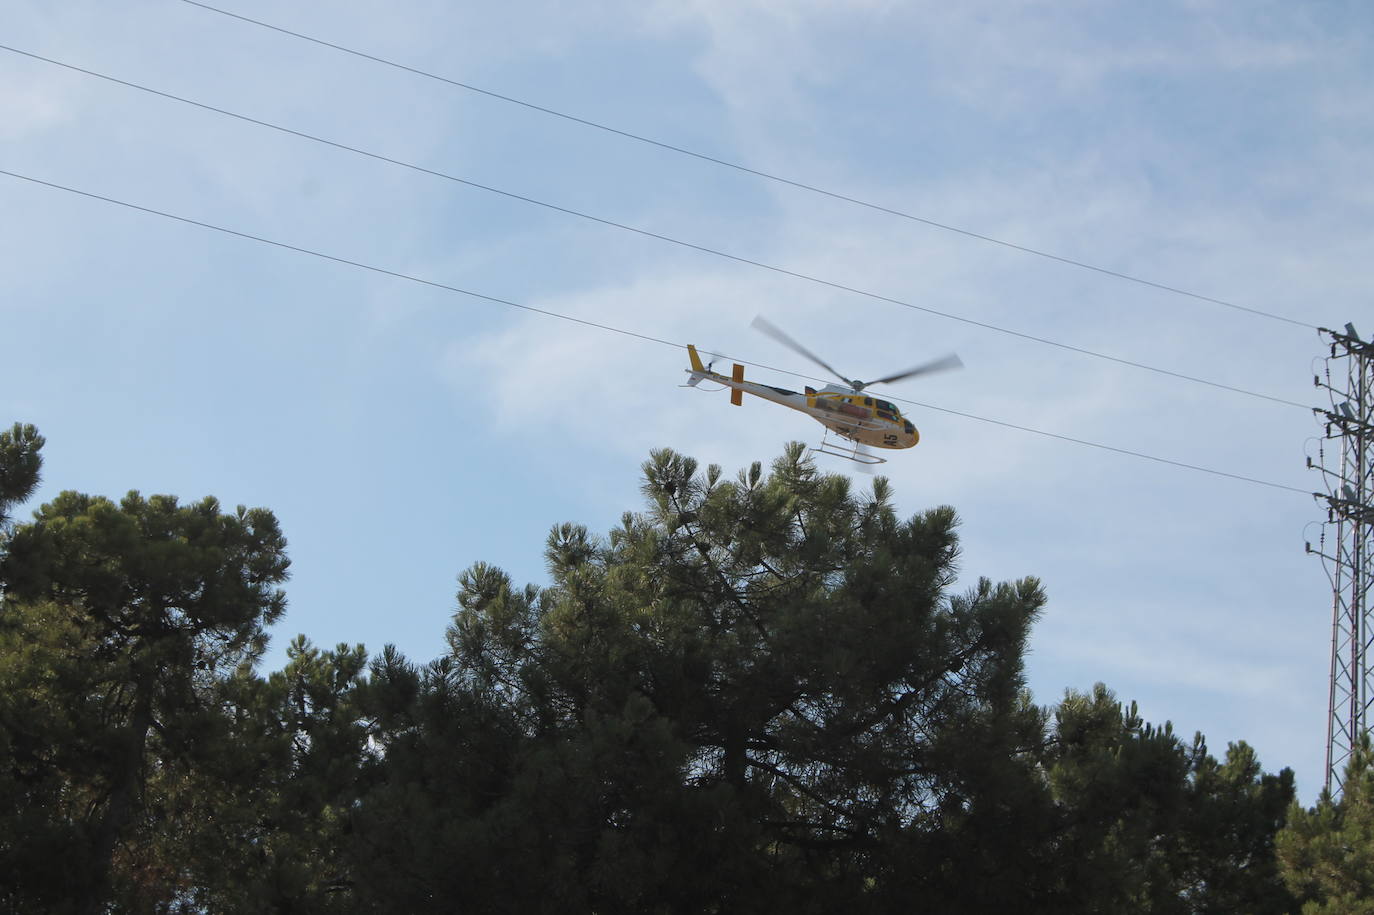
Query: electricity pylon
point(1346, 463)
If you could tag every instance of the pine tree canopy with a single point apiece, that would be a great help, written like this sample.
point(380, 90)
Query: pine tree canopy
point(758, 693)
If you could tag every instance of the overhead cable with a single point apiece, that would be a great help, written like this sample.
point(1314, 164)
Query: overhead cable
point(657, 236)
point(609, 328)
point(801, 185)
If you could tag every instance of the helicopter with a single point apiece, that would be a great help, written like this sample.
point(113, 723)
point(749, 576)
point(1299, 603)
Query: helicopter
point(856, 418)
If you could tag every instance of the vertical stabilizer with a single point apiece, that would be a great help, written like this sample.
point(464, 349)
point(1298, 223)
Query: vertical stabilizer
point(696, 359)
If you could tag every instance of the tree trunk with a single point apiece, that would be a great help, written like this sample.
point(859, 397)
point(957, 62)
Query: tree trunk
point(734, 761)
point(118, 810)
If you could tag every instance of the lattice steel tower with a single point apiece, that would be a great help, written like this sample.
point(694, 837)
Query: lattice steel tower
point(1345, 460)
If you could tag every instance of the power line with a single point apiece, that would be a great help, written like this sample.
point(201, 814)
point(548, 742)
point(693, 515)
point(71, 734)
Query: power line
point(609, 328)
point(801, 185)
point(655, 235)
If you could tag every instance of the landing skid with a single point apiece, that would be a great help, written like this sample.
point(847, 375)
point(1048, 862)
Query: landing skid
point(847, 449)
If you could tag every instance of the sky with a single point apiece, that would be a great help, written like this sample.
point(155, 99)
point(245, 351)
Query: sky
point(402, 430)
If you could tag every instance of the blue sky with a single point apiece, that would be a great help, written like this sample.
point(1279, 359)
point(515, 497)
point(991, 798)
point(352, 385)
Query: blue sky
point(402, 432)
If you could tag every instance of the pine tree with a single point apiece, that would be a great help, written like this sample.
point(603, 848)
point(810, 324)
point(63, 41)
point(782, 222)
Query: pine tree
point(20, 466)
point(1146, 822)
point(746, 697)
point(1327, 852)
point(117, 620)
point(261, 824)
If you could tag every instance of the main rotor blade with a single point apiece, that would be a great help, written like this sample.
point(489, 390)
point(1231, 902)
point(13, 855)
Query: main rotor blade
point(763, 324)
point(943, 364)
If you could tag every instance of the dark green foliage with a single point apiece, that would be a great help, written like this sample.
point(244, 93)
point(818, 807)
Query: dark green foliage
point(20, 463)
point(263, 824)
point(117, 621)
point(1149, 823)
point(761, 676)
point(727, 710)
point(56, 750)
point(1327, 852)
point(758, 695)
point(1235, 812)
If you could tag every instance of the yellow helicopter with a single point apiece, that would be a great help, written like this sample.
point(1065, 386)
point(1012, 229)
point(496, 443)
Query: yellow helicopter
point(846, 411)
